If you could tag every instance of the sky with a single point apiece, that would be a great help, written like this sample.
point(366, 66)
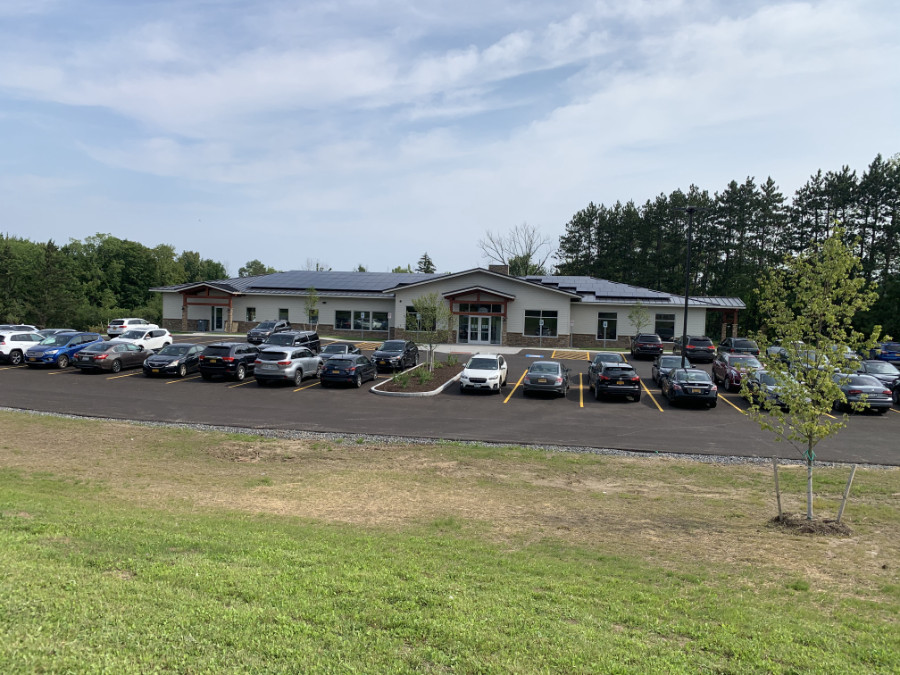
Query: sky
point(370, 132)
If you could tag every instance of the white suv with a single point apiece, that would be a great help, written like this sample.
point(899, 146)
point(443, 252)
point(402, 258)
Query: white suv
point(119, 326)
point(14, 343)
point(153, 339)
point(484, 371)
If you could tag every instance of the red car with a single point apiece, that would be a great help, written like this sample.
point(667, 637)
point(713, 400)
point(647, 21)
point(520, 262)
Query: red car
point(729, 369)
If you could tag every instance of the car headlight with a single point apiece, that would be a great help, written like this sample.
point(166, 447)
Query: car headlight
point(172, 364)
point(493, 377)
point(51, 352)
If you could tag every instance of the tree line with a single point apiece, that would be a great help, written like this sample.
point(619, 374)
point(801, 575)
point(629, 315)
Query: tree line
point(741, 233)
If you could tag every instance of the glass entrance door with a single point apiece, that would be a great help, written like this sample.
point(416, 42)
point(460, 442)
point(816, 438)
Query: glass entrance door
point(475, 329)
point(218, 318)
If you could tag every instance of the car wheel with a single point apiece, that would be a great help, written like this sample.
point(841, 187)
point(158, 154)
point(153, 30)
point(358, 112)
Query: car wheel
point(15, 357)
point(596, 393)
point(462, 389)
point(116, 366)
point(182, 370)
point(62, 361)
point(298, 377)
point(240, 373)
point(358, 381)
point(637, 398)
point(503, 383)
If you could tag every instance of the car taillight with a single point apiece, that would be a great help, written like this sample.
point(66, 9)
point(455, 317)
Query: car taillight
point(202, 357)
point(604, 378)
point(887, 392)
point(257, 362)
point(351, 369)
point(635, 379)
point(855, 392)
point(282, 363)
point(558, 380)
point(714, 389)
point(100, 357)
point(676, 387)
point(228, 359)
point(690, 347)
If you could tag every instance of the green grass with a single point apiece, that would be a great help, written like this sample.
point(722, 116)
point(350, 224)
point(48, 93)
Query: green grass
point(95, 584)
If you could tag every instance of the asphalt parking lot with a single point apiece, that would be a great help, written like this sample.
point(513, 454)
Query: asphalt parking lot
point(650, 425)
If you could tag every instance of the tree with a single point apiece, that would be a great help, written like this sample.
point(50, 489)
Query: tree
point(524, 249)
point(639, 317)
point(316, 265)
point(808, 304)
point(433, 321)
point(361, 268)
point(402, 270)
point(310, 303)
point(426, 265)
point(255, 268)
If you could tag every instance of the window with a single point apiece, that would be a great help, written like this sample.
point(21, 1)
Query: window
point(379, 320)
point(342, 319)
point(251, 314)
point(665, 326)
point(314, 316)
point(540, 322)
point(609, 331)
point(283, 315)
point(479, 308)
point(414, 320)
point(362, 320)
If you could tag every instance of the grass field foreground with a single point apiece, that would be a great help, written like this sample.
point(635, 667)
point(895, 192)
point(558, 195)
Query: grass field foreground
point(128, 548)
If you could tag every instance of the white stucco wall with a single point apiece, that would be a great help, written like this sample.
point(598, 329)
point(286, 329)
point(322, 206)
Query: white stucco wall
point(585, 318)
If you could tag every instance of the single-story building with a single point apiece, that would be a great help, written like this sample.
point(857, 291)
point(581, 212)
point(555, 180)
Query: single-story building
point(489, 306)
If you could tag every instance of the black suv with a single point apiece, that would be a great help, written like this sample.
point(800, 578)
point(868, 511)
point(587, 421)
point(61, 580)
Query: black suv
point(699, 348)
point(295, 338)
point(619, 379)
point(262, 331)
point(646, 344)
point(228, 359)
point(396, 355)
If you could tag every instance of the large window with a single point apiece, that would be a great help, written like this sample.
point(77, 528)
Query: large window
point(251, 314)
point(479, 308)
point(540, 322)
point(379, 320)
point(283, 314)
point(665, 326)
point(414, 320)
point(342, 319)
point(607, 325)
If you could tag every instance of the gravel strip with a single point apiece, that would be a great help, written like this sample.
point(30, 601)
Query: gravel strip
point(356, 439)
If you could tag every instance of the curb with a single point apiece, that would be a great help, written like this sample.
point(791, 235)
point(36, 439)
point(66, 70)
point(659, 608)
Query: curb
point(413, 394)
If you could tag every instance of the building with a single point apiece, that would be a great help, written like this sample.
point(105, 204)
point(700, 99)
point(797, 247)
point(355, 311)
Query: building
point(489, 306)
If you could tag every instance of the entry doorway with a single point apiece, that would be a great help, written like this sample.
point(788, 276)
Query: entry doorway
point(218, 318)
point(479, 330)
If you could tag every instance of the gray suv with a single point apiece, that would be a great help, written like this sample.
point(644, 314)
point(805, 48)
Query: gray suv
point(287, 364)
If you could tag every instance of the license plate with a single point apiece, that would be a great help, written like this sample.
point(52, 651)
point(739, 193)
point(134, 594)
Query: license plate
point(156, 370)
point(695, 391)
point(335, 372)
point(619, 382)
point(32, 358)
point(542, 380)
point(382, 362)
point(213, 360)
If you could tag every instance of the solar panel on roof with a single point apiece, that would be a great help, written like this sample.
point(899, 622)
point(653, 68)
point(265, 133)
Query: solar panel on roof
point(336, 281)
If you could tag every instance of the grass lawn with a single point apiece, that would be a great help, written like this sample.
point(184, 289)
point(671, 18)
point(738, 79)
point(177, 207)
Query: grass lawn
point(132, 549)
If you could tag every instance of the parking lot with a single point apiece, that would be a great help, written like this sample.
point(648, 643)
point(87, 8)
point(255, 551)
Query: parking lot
point(650, 425)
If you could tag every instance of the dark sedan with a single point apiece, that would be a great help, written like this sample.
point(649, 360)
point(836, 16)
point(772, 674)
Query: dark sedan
point(690, 384)
point(547, 376)
point(178, 359)
point(663, 364)
point(616, 379)
point(111, 356)
point(336, 348)
point(865, 389)
point(349, 369)
point(880, 370)
point(396, 355)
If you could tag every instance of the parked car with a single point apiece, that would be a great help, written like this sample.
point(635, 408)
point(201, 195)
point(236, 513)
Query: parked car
point(864, 388)
point(886, 372)
point(699, 348)
point(152, 340)
point(690, 384)
point(485, 372)
point(664, 363)
point(347, 368)
point(111, 356)
point(261, 332)
point(763, 386)
point(294, 338)
point(646, 344)
point(607, 357)
point(19, 327)
point(234, 360)
point(179, 358)
point(396, 355)
point(338, 348)
point(778, 349)
point(14, 344)
point(58, 350)
point(886, 351)
point(286, 364)
point(118, 326)
point(616, 379)
point(47, 332)
point(728, 369)
point(546, 376)
point(737, 345)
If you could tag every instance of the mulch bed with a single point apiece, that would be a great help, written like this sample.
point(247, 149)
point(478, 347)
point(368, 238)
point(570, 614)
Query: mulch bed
point(798, 524)
point(442, 373)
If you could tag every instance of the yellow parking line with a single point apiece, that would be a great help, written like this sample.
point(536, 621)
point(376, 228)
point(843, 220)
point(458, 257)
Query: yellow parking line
point(116, 377)
point(11, 367)
point(314, 384)
point(184, 379)
point(60, 371)
point(515, 387)
point(722, 398)
point(894, 411)
point(652, 397)
point(580, 390)
point(241, 384)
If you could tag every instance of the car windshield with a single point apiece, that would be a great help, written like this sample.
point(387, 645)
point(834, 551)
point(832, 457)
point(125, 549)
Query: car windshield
point(101, 346)
point(864, 381)
point(217, 351)
point(669, 362)
point(883, 368)
point(174, 350)
point(745, 362)
point(393, 346)
point(544, 368)
point(266, 325)
point(335, 349)
point(483, 364)
point(650, 338)
point(609, 358)
point(692, 376)
point(117, 322)
point(273, 356)
point(766, 379)
point(280, 339)
point(619, 371)
point(700, 342)
point(745, 344)
point(60, 340)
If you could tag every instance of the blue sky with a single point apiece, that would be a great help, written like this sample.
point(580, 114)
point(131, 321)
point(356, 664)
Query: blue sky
point(371, 131)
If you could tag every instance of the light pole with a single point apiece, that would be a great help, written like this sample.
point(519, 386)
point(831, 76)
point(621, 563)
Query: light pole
point(690, 210)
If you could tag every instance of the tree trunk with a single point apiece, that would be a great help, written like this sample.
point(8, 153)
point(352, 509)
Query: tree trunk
point(809, 490)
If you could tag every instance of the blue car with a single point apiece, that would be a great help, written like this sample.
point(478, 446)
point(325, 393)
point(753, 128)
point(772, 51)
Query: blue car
point(58, 350)
point(886, 351)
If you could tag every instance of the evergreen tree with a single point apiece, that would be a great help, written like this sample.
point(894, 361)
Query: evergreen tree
point(425, 264)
